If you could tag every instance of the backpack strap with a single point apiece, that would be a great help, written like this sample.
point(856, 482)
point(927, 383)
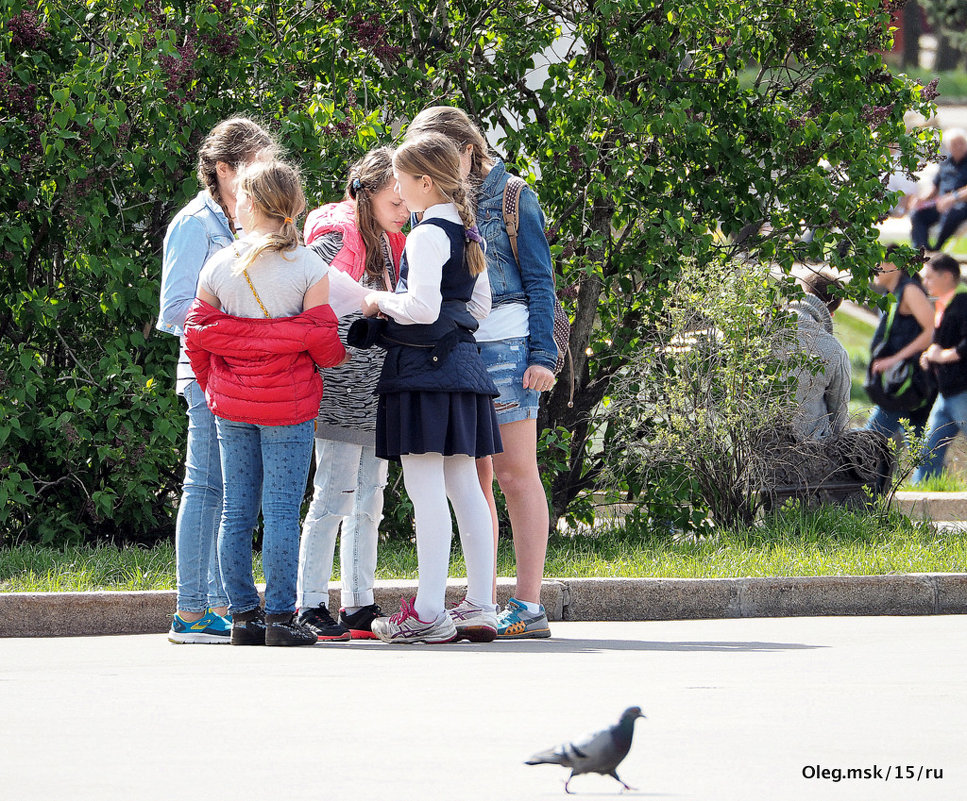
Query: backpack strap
point(511, 209)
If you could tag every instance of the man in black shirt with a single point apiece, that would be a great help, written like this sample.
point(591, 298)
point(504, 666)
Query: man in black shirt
point(945, 202)
point(947, 358)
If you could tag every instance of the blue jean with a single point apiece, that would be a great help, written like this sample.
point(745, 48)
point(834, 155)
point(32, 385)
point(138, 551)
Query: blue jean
point(196, 529)
point(348, 491)
point(948, 416)
point(506, 362)
point(922, 219)
point(888, 423)
point(268, 464)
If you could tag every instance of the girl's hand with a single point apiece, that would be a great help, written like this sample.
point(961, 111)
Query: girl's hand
point(370, 307)
point(538, 378)
point(931, 354)
point(881, 365)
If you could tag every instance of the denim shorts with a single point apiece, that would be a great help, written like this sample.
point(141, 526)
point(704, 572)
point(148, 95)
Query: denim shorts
point(506, 361)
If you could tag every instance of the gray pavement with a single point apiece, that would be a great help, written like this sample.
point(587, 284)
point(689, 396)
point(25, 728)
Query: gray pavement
point(737, 709)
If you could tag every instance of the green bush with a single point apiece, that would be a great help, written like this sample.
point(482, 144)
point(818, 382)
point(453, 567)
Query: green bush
point(649, 151)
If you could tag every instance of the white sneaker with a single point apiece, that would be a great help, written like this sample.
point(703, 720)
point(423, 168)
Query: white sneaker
point(473, 622)
point(406, 627)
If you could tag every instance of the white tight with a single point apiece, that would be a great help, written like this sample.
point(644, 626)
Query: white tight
point(430, 479)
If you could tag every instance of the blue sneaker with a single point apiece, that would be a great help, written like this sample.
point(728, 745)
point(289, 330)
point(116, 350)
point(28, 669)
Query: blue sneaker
point(212, 629)
point(516, 623)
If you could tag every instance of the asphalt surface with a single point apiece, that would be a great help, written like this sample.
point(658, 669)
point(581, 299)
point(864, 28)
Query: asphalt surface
point(737, 709)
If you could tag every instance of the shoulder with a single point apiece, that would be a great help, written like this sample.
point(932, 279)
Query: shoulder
point(333, 217)
point(218, 264)
point(312, 260)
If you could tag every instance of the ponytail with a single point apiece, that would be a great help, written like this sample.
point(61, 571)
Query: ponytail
point(275, 189)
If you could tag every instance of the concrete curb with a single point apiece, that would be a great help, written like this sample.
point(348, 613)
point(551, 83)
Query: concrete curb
point(619, 599)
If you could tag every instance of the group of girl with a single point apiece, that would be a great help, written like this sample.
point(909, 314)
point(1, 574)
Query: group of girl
point(462, 331)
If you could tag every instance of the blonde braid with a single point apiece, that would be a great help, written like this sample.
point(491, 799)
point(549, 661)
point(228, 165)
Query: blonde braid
point(476, 260)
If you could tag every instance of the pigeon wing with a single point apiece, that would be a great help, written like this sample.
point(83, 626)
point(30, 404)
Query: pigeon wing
point(595, 753)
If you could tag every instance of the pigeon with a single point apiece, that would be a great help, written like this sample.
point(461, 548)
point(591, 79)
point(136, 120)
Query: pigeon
point(600, 752)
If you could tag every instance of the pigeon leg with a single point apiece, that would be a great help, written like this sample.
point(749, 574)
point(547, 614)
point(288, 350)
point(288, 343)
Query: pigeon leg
point(566, 790)
point(614, 775)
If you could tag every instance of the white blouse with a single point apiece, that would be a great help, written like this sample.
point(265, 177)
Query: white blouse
point(427, 250)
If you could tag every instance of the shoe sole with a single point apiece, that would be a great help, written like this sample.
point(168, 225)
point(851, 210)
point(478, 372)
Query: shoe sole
point(362, 634)
point(338, 638)
point(288, 644)
point(532, 634)
point(419, 640)
point(199, 639)
point(476, 633)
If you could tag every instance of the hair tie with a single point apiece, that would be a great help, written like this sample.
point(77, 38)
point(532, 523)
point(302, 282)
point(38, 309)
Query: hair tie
point(472, 234)
point(287, 221)
point(357, 184)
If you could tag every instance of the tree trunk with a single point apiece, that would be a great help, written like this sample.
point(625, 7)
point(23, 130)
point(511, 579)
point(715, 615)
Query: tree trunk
point(912, 29)
point(948, 56)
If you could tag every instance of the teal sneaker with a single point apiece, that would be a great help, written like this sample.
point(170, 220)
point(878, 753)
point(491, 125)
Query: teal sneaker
point(211, 629)
point(516, 623)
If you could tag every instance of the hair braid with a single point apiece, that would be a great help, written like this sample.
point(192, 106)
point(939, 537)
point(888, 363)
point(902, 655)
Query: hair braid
point(476, 260)
point(234, 142)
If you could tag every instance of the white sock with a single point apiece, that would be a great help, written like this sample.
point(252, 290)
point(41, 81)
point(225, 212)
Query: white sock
point(425, 484)
point(351, 610)
point(532, 608)
point(474, 523)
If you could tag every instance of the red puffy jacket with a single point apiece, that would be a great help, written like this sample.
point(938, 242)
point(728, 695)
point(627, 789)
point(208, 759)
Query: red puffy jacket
point(262, 371)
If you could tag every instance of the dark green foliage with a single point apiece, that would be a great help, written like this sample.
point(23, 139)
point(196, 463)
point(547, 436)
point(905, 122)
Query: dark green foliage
point(649, 150)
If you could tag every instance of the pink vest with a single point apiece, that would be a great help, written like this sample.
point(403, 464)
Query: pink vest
point(341, 217)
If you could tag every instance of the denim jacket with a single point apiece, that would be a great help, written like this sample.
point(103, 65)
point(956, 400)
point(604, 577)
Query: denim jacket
point(532, 281)
point(197, 232)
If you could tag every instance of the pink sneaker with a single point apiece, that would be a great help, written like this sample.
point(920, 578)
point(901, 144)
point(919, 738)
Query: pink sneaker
point(406, 627)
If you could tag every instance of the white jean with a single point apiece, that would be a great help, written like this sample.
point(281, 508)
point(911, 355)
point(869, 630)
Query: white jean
point(348, 491)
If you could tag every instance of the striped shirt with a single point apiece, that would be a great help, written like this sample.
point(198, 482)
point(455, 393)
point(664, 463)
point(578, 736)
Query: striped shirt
point(347, 412)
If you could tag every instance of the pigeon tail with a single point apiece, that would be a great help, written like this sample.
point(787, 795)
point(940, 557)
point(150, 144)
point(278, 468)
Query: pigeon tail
point(553, 756)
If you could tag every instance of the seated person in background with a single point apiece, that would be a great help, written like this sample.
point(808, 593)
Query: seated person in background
point(817, 449)
point(944, 202)
point(947, 357)
point(821, 395)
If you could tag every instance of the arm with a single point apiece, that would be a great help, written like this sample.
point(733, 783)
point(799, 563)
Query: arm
point(199, 357)
point(317, 294)
point(324, 345)
point(481, 299)
point(837, 392)
point(185, 249)
point(946, 202)
point(209, 298)
point(912, 302)
point(427, 250)
point(537, 276)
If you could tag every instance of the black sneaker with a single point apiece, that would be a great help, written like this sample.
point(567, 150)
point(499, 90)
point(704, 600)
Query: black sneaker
point(320, 622)
point(285, 630)
point(248, 628)
point(360, 622)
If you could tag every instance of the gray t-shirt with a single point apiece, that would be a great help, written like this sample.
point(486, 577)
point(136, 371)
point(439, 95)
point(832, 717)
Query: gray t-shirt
point(280, 279)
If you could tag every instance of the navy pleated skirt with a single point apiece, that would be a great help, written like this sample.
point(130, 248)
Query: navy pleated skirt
point(436, 422)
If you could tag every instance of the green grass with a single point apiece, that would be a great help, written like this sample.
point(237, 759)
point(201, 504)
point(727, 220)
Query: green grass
point(824, 542)
point(945, 482)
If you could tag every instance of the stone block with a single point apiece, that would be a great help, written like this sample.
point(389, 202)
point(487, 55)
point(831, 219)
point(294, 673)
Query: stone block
point(837, 595)
point(650, 599)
